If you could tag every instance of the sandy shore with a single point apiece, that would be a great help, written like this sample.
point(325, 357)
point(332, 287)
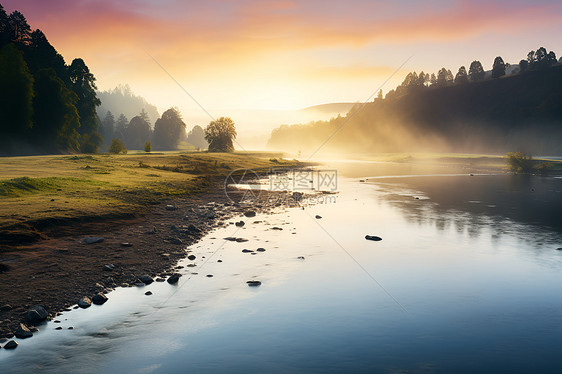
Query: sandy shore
point(57, 273)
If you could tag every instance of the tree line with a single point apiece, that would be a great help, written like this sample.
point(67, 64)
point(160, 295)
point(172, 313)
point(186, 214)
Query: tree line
point(168, 130)
point(47, 105)
point(520, 111)
point(535, 60)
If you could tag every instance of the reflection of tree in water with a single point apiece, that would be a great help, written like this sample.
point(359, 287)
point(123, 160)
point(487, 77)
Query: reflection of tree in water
point(527, 207)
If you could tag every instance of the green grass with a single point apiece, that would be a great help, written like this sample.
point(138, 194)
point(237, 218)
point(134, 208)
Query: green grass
point(36, 189)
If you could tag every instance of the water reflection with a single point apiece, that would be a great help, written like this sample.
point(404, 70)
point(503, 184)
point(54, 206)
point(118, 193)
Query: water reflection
point(500, 203)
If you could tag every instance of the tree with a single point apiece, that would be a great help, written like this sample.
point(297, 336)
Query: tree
point(117, 147)
point(220, 134)
point(4, 27)
point(137, 133)
point(196, 137)
point(83, 84)
point(108, 127)
point(476, 71)
point(19, 29)
point(144, 116)
point(148, 147)
point(378, 98)
point(444, 77)
point(462, 76)
point(168, 130)
point(433, 79)
point(41, 55)
point(498, 69)
point(120, 126)
point(540, 59)
point(423, 79)
point(56, 120)
point(16, 94)
point(523, 66)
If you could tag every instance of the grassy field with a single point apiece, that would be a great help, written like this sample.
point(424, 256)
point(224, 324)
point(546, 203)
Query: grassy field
point(41, 191)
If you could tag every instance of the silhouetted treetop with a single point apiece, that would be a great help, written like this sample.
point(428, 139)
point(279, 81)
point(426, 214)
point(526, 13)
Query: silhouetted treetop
point(168, 130)
point(462, 76)
point(476, 71)
point(498, 69)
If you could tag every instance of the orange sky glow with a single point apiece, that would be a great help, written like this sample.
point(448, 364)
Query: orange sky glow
point(235, 56)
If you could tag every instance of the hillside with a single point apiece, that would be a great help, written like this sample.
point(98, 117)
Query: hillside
point(331, 108)
point(516, 112)
point(121, 100)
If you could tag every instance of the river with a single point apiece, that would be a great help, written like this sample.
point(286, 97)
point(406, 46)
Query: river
point(467, 278)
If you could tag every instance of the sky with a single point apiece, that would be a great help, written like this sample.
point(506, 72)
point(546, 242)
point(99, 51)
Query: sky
point(240, 57)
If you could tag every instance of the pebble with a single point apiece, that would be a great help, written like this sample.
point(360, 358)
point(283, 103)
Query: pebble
point(11, 345)
point(92, 239)
point(85, 302)
point(174, 278)
point(99, 298)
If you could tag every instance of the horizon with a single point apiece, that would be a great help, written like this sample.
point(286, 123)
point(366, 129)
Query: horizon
point(283, 55)
point(277, 57)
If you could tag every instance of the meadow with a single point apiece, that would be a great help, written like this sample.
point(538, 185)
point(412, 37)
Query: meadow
point(45, 195)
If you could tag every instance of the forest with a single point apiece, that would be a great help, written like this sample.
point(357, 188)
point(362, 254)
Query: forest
point(50, 107)
point(47, 106)
point(474, 111)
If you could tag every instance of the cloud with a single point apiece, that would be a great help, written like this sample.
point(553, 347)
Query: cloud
point(210, 42)
point(252, 26)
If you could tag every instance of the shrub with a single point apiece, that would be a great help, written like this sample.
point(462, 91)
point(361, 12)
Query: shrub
point(520, 162)
point(147, 147)
point(117, 147)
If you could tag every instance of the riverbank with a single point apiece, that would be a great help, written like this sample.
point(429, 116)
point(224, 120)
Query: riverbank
point(52, 196)
point(53, 206)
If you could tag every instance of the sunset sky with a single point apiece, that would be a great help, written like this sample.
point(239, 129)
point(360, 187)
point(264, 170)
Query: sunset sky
point(280, 55)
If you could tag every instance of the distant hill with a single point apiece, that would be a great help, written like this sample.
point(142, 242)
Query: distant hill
point(121, 100)
point(521, 111)
point(332, 108)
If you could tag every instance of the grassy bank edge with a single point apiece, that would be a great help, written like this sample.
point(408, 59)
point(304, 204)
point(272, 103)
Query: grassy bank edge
point(52, 196)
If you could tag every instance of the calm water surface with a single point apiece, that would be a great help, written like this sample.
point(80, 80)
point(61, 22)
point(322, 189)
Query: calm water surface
point(467, 279)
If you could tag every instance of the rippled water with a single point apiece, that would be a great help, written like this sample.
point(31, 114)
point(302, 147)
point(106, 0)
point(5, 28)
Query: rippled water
point(466, 279)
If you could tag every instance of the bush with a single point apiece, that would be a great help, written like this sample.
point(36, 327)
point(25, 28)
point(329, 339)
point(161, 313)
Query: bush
point(147, 147)
point(544, 167)
point(117, 147)
point(90, 143)
point(519, 162)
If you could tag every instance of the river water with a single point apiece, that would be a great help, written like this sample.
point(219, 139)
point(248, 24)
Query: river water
point(466, 279)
